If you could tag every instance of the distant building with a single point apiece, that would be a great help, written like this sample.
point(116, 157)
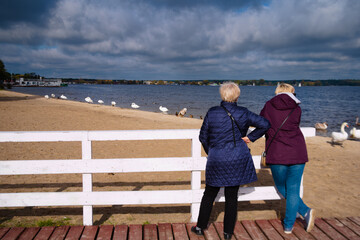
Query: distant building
point(42, 82)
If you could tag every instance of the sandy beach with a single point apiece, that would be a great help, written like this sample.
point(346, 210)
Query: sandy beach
point(331, 178)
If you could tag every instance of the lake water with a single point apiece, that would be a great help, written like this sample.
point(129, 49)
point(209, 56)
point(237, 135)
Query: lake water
point(331, 104)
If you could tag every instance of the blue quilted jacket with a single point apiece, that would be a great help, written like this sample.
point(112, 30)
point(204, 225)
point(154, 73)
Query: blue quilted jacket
point(230, 164)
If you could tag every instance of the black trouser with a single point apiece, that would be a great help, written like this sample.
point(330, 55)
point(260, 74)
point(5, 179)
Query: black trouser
point(230, 207)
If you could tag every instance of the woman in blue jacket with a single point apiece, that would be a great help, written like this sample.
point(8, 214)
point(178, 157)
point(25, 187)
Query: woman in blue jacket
point(229, 163)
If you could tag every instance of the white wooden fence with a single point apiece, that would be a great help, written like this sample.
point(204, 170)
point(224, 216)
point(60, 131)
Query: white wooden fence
point(87, 166)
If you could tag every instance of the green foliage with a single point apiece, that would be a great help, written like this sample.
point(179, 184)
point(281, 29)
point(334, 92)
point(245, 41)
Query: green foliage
point(4, 75)
point(146, 223)
point(50, 222)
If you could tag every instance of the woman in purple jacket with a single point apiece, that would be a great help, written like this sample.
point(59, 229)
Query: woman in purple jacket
point(229, 164)
point(287, 153)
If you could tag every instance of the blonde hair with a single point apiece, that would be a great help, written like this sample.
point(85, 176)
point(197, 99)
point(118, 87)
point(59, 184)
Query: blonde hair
point(284, 87)
point(229, 92)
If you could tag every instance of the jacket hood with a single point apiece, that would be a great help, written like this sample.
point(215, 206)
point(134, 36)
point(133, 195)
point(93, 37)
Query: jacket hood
point(284, 101)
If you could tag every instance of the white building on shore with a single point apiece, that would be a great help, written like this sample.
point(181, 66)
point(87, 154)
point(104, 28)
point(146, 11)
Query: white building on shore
point(42, 82)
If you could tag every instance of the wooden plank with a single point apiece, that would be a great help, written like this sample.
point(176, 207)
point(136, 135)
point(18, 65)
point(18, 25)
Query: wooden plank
point(135, 232)
point(165, 231)
point(74, 233)
point(180, 232)
point(211, 233)
point(105, 232)
point(318, 234)
point(328, 230)
point(276, 223)
point(253, 230)
point(120, 232)
point(268, 229)
point(29, 233)
point(3, 231)
point(219, 226)
point(354, 227)
point(44, 233)
point(150, 232)
point(341, 228)
point(13, 233)
point(89, 232)
point(59, 233)
point(300, 232)
point(240, 232)
point(355, 220)
point(193, 236)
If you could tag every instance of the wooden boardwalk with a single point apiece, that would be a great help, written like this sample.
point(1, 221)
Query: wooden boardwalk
point(348, 228)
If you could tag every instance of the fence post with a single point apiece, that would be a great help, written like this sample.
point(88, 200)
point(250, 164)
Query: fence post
point(195, 176)
point(87, 179)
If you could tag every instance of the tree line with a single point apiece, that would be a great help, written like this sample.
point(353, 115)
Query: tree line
point(7, 77)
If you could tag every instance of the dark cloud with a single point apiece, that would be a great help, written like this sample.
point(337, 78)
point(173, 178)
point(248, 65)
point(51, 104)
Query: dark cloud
point(185, 39)
point(224, 5)
point(20, 11)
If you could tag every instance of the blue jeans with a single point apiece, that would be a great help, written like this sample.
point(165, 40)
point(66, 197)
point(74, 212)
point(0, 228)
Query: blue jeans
point(287, 179)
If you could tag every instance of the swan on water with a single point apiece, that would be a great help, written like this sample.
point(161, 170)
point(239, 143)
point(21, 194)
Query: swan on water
point(357, 121)
point(113, 103)
point(339, 137)
point(182, 112)
point(89, 100)
point(355, 133)
point(163, 109)
point(52, 95)
point(134, 105)
point(321, 126)
point(101, 101)
point(63, 97)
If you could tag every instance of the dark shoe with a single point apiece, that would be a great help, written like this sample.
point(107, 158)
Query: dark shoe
point(197, 230)
point(309, 219)
point(227, 235)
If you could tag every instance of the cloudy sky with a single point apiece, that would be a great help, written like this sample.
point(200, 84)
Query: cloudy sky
point(182, 39)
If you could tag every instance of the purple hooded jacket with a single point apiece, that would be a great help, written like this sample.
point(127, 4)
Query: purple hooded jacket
point(289, 145)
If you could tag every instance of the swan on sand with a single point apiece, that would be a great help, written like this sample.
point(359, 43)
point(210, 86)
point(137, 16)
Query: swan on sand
point(355, 133)
point(101, 101)
point(321, 126)
point(182, 112)
point(134, 105)
point(89, 100)
point(113, 103)
point(163, 109)
point(63, 97)
point(339, 137)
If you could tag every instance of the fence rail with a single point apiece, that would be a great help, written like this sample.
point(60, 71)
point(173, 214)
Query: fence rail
point(87, 166)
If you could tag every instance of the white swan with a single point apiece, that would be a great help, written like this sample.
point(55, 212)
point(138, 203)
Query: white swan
point(321, 126)
point(355, 133)
point(63, 97)
point(340, 136)
point(163, 109)
point(134, 105)
point(357, 121)
point(182, 112)
point(89, 100)
point(46, 96)
point(52, 95)
point(113, 103)
point(101, 101)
